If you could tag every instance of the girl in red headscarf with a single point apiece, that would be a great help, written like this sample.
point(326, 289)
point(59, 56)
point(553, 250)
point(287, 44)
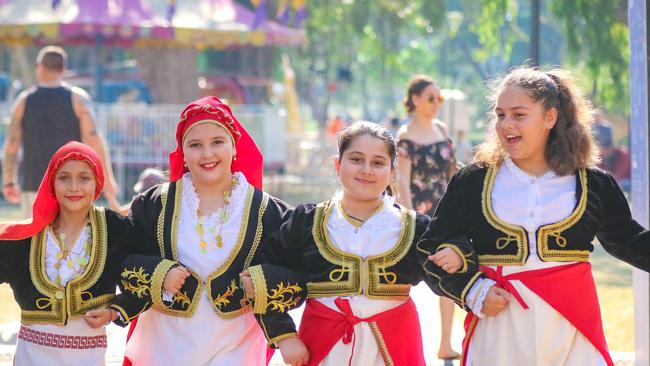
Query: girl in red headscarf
point(62, 264)
point(210, 222)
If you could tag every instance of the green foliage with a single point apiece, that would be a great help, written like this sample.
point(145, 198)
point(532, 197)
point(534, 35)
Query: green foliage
point(597, 40)
point(461, 43)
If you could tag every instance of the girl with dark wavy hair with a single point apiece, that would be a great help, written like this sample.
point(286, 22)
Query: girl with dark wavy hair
point(524, 217)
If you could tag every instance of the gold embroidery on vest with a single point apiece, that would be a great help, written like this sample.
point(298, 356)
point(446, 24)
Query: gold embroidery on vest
point(282, 298)
point(347, 263)
point(221, 300)
point(514, 234)
point(555, 231)
point(142, 285)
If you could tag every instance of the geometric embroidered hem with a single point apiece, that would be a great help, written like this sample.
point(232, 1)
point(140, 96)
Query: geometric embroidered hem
point(61, 341)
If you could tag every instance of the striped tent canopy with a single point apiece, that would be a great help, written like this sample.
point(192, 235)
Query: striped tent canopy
point(219, 24)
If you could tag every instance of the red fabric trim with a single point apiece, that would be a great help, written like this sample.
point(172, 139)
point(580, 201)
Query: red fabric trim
point(45, 206)
point(249, 159)
point(126, 361)
point(322, 327)
point(61, 341)
point(571, 291)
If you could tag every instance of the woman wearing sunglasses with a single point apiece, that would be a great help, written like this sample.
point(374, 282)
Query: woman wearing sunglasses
point(425, 164)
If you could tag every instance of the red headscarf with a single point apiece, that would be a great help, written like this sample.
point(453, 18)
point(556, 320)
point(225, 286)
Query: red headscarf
point(45, 206)
point(249, 159)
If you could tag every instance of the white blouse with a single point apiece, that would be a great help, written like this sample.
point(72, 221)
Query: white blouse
point(205, 338)
point(77, 254)
point(530, 202)
point(379, 234)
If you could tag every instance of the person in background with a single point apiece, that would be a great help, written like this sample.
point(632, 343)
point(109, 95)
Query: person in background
point(147, 179)
point(614, 159)
point(44, 118)
point(425, 165)
point(464, 152)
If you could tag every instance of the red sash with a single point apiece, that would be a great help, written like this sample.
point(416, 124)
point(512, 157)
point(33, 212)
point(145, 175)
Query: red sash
point(569, 289)
point(399, 328)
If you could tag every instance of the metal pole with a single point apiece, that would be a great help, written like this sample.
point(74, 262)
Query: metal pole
point(534, 31)
point(638, 27)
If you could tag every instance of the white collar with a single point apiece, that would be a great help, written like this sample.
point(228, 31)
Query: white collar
point(524, 176)
point(237, 197)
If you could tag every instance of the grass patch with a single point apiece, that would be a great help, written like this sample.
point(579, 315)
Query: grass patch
point(614, 283)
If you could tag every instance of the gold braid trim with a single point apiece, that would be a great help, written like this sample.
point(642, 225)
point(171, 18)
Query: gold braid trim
point(259, 286)
point(79, 285)
point(381, 344)
point(231, 258)
point(376, 265)
point(277, 339)
point(258, 230)
point(54, 298)
point(346, 263)
point(467, 339)
point(176, 215)
point(456, 249)
point(514, 234)
point(125, 315)
point(157, 281)
point(555, 230)
point(160, 227)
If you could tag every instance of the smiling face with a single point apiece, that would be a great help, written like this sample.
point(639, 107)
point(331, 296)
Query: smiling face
point(74, 186)
point(523, 126)
point(208, 151)
point(365, 168)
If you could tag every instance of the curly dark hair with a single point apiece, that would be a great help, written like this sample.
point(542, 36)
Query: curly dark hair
point(570, 144)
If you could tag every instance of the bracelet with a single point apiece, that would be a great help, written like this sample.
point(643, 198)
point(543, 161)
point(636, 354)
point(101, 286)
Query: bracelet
point(9, 184)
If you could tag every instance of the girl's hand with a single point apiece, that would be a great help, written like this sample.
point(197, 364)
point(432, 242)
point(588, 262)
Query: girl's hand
point(99, 317)
point(247, 282)
point(496, 301)
point(175, 278)
point(448, 260)
point(293, 351)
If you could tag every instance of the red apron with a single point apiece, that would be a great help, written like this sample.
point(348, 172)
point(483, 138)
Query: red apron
point(399, 329)
point(559, 287)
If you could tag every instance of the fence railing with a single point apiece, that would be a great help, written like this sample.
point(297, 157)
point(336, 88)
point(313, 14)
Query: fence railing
point(142, 135)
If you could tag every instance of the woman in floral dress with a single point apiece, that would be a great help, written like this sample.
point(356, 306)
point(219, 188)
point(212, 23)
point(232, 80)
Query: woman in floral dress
point(425, 164)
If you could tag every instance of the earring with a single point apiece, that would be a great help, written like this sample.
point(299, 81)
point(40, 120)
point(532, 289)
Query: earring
point(234, 157)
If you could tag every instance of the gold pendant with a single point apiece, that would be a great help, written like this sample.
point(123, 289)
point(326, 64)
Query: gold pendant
point(219, 241)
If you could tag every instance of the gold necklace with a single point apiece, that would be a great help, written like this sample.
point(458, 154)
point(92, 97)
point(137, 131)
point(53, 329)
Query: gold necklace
point(70, 257)
point(356, 222)
point(223, 217)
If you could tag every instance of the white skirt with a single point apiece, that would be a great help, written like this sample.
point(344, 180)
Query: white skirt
point(203, 339)
point(538, 336)
point(76, 343)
